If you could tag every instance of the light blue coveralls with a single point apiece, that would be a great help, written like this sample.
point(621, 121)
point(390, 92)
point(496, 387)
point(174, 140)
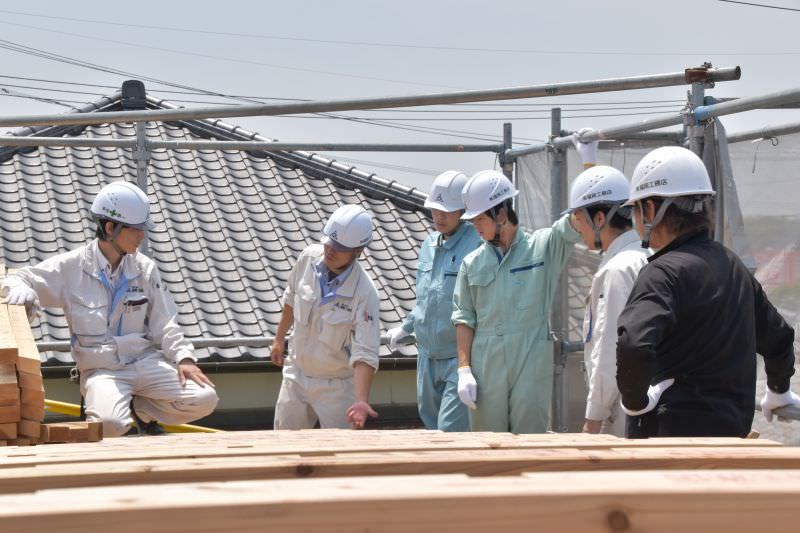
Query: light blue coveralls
point(437, 364)
point(506, 300)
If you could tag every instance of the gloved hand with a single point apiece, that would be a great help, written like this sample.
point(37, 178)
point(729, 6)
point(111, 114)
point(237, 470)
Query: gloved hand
point(467, 387)
point(772, 400)
point(587, 151)
point(395, 336)
point(654, 393)
point(21, 294)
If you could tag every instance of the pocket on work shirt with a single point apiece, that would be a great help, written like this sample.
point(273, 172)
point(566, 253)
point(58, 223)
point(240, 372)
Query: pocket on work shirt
point(134, 313)
point(527, 281)
point(302, 304)
point(336, 325)
point(88, 317)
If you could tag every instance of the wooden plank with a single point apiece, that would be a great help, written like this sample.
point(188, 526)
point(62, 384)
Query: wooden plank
point(28, 380)
point(51, 433)
point(9, 388)
point(32, 411)
point(487, 463)
point(31, 396)
point(659, 502)
point(95, 431)
point(8, 342)
point(28, 359)
point(8, 430)
point(9, 413)
point(78, 431)
point(29, 428)
point(262, 443)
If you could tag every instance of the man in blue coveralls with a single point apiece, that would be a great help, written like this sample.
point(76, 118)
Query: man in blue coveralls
point(439, 260)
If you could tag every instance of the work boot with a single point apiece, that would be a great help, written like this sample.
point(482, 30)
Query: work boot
point(146, 428)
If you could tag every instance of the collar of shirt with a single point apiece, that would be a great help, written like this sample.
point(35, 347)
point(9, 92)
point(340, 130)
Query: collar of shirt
point(453, 239)
point(678, 241)
point(329, 286)
point(620, 243)
point(111, 274)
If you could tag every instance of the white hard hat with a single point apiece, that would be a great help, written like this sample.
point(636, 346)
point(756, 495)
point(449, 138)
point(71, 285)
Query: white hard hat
point(669, 171)
point(446, 192)
point(123, 202)
point(349, 227)
point(598, 185)
point(485, 190)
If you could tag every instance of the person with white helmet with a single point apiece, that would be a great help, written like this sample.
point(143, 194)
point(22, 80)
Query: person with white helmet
point(696, 317)
point(333, 305)
point(596, 199)
point(501, 309)
point(134, 361)
point(439, 260)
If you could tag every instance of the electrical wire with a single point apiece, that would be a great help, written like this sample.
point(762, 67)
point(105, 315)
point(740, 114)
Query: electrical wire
point(405, 45)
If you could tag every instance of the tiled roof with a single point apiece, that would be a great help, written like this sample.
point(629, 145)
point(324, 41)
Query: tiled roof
point(230, 223)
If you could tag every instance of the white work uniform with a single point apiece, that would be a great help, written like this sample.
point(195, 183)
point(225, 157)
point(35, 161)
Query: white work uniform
point(329, 339)
point(124, 334)
point(611, 287)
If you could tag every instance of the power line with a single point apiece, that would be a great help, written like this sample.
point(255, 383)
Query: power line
point(396, 45)
point(760, 5)
point(222, 58)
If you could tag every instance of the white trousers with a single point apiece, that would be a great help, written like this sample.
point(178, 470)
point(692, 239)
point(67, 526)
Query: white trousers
point(158, 395)
point(303, 401)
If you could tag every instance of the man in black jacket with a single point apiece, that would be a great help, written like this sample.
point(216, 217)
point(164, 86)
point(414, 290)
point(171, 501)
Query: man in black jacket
point(695, 318)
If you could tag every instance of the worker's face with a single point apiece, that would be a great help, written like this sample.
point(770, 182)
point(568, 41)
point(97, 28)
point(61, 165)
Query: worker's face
point(486, 226)
point(445, 222)
point(337, 261)
point(583, 225)
point(128, 239)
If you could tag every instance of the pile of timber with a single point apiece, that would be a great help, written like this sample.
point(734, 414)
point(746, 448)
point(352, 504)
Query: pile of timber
point(22, 389)
point(413, 480)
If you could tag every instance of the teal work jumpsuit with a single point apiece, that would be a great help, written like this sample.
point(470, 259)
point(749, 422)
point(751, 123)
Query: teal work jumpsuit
point(437, 363)
point(506, 300)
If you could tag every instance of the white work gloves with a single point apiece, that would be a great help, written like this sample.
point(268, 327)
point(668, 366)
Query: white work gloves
point(21, 294)
point(395, 336)
point(773, 400)
point(467, 387)
point(587, 151)
point(654, 393)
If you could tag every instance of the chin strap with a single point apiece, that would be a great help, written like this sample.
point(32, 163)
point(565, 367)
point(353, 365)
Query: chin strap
point(648, 226)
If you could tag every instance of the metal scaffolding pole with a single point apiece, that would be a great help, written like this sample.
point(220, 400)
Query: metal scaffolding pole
point(86, 142)
point(696, 130)
point(700, 113)
point(141, 154)
point(558, 316)
point(767, 132)
point(690, 75)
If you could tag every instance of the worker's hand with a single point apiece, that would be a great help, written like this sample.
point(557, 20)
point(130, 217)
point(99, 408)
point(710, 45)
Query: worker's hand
point(654, 393)
point(467, 387)
point(358, 412)
point(277, 353)
point(395, 336)
point(592, 426)
point(187, 369)
point(587, 151)
point(773, 400)
point(23, 295)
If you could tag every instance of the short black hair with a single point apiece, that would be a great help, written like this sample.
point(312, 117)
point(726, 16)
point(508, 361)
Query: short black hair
point(679, 221)
point(510, 213)
point(100, 231)
point(618, 221)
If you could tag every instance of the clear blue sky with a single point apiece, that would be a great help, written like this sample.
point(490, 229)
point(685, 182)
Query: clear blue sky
point(388, 48)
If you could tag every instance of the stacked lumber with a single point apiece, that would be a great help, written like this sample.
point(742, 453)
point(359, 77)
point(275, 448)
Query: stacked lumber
point(401, 481)
point(22, 388)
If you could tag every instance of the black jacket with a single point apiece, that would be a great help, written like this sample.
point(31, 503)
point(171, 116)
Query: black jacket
point(696, 314)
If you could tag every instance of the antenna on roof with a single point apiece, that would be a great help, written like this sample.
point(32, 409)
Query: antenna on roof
point(133, 95)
